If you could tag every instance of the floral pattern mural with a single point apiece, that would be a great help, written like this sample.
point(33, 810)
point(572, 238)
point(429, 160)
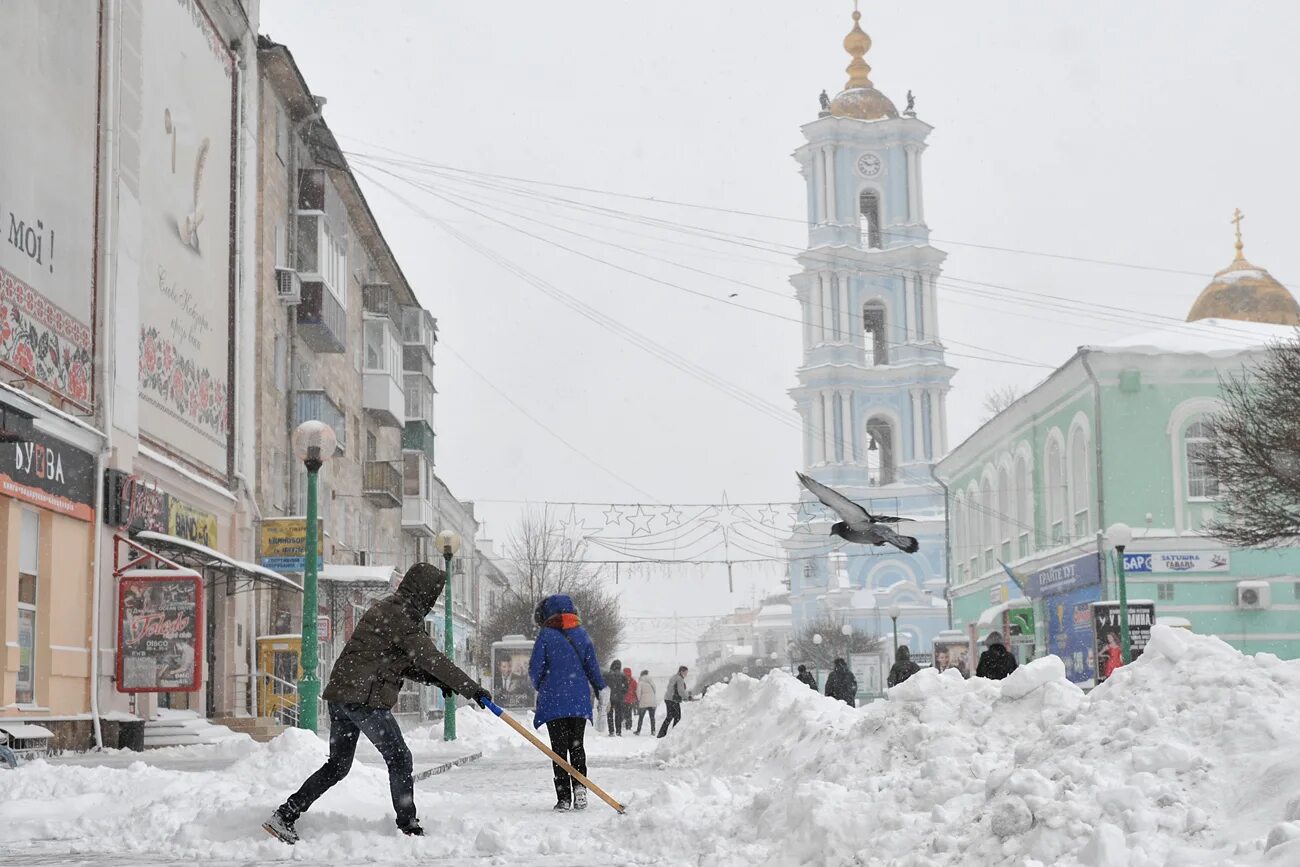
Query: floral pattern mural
point(42, 341)
point(178, 383)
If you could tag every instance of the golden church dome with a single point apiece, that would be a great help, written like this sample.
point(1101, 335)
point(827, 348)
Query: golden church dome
point(860, 99)
point(1246, 293)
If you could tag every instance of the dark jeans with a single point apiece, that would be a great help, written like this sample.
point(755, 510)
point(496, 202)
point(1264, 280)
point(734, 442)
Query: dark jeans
point(614, 717)
point(347, 721)
point(673, 716)
point(640, 718)
point(626, 722)
point(566, 739)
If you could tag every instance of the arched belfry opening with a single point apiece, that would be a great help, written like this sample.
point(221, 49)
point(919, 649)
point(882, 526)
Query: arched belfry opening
point(869, 208)
point(875, 334)
point(881, 463)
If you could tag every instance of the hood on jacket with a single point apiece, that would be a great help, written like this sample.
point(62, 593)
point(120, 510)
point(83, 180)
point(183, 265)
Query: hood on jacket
point(615, 665)
point(627, 671)
point(841, 665)
point(560, 603)
point(903, 654)
point(421, 586)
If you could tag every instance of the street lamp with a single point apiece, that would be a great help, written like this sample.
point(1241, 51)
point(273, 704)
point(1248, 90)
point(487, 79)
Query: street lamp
point(1118, 537)
point(313, 444)
point(448, 543)
point(894, 612)
point(817, 640)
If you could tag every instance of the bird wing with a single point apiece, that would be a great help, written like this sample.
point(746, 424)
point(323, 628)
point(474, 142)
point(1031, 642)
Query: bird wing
point(887, 519)
point(850, 511)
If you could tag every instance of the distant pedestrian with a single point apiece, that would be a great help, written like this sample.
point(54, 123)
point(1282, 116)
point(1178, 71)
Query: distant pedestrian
point(903, 667)
point(842, 684)
point(646, 699)
point(564, 671)
point(806, 676)
point(617, 682)
point(996, 662)
point(389, 645)
point(674, 695)
point(629, 699)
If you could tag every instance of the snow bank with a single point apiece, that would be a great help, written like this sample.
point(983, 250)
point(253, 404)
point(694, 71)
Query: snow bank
point(1190, 756)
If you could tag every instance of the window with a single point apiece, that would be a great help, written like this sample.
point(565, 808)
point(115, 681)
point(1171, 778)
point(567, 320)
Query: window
point(372, 446)
point(873, 327)
point(990, 531)
point(869, 207)
point(1201, 483)
point(880, 452)
point(28, 568)
point(1079, 483)
point(412, 474)
point(1005, 517)
point(1165, 591)
point(1056, 491)
point(1024, 505)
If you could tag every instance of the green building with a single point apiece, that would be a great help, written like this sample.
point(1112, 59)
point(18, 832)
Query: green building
point(1117, 434)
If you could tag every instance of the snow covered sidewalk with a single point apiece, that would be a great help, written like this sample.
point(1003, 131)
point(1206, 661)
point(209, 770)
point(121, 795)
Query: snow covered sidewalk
point(1189, 757)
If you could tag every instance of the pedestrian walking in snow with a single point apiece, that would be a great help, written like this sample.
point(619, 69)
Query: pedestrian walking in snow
point(673, 698)
point(806, 676)
point(646, 699)
point(617, 683)
point(903, 667)
point(629, 701)
point(842, 684)
point(565, 671)
point(996, 662)
point(389, 645)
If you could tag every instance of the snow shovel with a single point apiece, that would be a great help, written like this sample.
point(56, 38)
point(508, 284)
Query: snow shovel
point(573, 772)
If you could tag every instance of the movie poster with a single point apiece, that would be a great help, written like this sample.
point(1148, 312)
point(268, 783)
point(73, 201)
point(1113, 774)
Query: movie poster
point(1106, 631)
point(511, 686)
point(159, 633)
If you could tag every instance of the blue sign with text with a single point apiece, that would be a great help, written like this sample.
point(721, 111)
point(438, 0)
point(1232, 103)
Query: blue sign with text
point(1063, 577)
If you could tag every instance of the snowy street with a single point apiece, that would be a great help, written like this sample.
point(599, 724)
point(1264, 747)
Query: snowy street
point(1187, 757)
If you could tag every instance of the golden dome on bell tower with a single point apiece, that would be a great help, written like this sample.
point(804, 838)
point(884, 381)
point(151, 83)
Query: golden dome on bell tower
point(860, 99)
point(1246, 293)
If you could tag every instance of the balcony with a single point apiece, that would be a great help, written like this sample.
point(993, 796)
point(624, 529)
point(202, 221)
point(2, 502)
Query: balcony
point(322, 321)
point(418, 436)
point(381, 484)
point(418, 516)
point(380, 299)
point(419, 329)
point(317, 405)
point(381, 391)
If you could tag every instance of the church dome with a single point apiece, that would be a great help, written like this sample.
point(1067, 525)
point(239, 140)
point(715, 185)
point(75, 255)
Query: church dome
point(1246, 293)
point(860, 99)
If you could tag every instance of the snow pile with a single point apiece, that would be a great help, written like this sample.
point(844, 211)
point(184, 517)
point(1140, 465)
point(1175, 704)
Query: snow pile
point(1190, 756)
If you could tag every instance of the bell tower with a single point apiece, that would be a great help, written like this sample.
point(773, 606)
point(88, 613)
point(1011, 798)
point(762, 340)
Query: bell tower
point(873, 382)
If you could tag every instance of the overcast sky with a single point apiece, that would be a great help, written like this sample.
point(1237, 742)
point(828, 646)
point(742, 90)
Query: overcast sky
point(1110, 130)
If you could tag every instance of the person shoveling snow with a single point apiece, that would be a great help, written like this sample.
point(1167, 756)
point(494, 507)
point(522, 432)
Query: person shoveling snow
point(388, 646)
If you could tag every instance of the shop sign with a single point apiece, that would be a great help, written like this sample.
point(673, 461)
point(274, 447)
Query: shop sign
point(1064, 577)
point(1106, 631)
point(159, 627)
point(51, 474)
point(1176, 561)
point(282, 544)
point(191, 524)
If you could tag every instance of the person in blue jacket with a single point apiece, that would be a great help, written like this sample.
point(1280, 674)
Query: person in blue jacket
point(565, 671)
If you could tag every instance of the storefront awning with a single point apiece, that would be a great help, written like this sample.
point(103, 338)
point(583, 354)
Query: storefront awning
point(366, 574)
point(198, 556)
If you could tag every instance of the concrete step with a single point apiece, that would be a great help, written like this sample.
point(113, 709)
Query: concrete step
point(261, 729)
point(174, 728)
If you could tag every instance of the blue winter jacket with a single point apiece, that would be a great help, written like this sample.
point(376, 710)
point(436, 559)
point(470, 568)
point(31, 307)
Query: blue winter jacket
point(564, 668)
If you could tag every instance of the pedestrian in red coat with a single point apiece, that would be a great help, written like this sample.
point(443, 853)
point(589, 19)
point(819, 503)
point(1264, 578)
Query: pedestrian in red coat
point(629, 699)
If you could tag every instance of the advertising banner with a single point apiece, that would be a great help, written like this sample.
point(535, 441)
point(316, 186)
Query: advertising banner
point(191, 524)
point(51, 474)
point(952, 653)
point(186, 119)
point(1063, 577)
point(511, 686)
point(1176, 561)
point(48, 177)
point(159, 630)
point(1069, 631)
point(1109, 647)
point(282, 544)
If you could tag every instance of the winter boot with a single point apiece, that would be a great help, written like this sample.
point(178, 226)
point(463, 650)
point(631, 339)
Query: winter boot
point(579, 797)
point(562, 807)
point(281, 828)
point(412, 830)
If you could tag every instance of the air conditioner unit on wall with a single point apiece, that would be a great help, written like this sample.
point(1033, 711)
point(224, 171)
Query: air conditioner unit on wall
point(288, 286)
point(1253, 595)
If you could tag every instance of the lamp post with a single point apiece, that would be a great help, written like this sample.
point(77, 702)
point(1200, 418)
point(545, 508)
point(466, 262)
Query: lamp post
point(817, 640)
point(789, 652)
point(448, 543)
point(1118, 537)
point(894, 612)
point(313, 444)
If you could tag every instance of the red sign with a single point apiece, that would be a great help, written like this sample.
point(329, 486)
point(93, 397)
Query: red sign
point(159, 633)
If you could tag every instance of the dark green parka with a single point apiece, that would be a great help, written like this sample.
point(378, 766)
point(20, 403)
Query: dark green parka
point(390, 644)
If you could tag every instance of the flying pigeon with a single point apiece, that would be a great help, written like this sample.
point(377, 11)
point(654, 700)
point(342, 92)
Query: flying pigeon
point(859, 525)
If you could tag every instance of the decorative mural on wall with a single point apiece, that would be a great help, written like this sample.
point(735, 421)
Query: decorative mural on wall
point(185, 144)
point(47, 193)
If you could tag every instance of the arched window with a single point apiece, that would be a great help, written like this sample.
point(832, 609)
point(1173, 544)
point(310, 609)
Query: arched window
point(1024, 507)
point(960, 538)
point(973, 543)
point(989, 535)
point(1006, 517)
point(876, 338)
point(1056, 491)
point(1079, 487)
point(869, 208)
point(880, 451)
point(1201, 483)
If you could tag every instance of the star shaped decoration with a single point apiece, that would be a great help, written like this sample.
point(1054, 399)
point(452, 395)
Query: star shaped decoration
point(672, 517)
point(640, 521)
point(724, 516)
point(768, 515)
point(613, 515)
